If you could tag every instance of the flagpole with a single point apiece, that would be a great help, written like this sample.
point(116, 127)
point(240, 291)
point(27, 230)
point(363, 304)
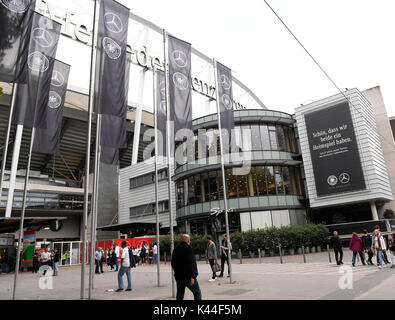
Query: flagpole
point(156, 173)
point(19, 250)
point(223, 172)
point(169, 157)
point(14, 168)
point(7, 139)
point(95, 203)
point(88, 150)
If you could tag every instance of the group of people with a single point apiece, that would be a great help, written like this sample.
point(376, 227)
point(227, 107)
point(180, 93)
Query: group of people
point(142, 254)
point(185, 269)
point(45, 259)
point(370, 245)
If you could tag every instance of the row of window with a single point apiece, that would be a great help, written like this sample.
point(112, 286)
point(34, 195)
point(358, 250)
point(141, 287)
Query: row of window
point(147, 179)
point(260, 181)
point(148, 209)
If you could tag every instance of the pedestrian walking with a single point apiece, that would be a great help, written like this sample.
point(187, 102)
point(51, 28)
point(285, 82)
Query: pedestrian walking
point(116, 249)
point(224, 255)
point(356, 248)
point(99, 260)
point(155, 253)
point(56, 258)
point(378, 244)
point(385, 258)
point(143, 253)
point(185, 269)
point(391, 248)
point(367, 246)
point(35, 258)
point(211, 256)
point(337, 247)
point(45, 256)
point(125, 268)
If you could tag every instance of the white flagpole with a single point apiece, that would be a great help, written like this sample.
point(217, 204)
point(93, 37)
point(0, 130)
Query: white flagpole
point(7, 139)
point(223, 172)
point(14, 168)
point(20, 244)
point(156, 174)
point(88, 150)
point(168, 156)
point(95, 198)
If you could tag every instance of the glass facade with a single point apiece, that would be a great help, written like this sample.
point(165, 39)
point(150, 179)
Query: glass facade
point(260, 181)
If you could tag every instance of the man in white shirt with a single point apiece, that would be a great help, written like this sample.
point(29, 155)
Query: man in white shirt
point(45, 256)
point(125, 268)
point(117, 249)
point(155, 252)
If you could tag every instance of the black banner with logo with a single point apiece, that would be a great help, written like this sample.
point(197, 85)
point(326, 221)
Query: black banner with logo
point(225, 94)
point(334, 150)
point(179, 53)
point(161, 112)
point(32, 97)
point(15, 29)
point(111, 78)
point(48, 140)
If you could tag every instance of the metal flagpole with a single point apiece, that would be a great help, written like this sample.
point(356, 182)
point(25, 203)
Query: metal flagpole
point(223, 172)
point(14, 168)
point(168, 156)
point(19, 250)
point(95, 204)
point(156, 174)
point(88, 150)
point(7, 139)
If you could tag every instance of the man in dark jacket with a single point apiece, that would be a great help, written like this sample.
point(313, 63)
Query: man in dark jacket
point(184, 265)
point(337, 247)
point(367, 245)
point(224, 255)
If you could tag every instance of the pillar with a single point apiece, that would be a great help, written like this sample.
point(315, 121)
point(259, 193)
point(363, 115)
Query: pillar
point(373, 208)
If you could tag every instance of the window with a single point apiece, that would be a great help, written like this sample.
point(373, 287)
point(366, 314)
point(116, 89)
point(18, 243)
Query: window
point(246, 131)
point(281, 138)
point(213, 185)
point(147, 179)
point(238, 138)
point(242, 186)
point(191, 190)
point(180, 194)
point(256, 138)
point(204, 186)
point(261, 181)
point(220, 185)
point(273, 138)
point(271, 185)
point(278, 177)
point(231, 183)
point(251, 178)
point(265, 140)
point(198, 189)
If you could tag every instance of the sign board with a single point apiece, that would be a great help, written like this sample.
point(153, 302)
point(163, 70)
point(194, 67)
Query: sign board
point(334, 150)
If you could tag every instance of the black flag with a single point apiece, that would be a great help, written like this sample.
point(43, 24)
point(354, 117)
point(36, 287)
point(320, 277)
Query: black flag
point(112, 79)
point(32, 97)
point(48, 140)
point(179, 53)
point(15, 29)
point(224, 81)
point(161, 112)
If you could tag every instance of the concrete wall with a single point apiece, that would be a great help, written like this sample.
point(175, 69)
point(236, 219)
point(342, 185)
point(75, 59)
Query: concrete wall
point(374, 96)
point(370, 149)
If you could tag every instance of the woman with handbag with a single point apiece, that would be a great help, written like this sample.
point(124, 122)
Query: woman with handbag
point(391, 248)
point(378, 244)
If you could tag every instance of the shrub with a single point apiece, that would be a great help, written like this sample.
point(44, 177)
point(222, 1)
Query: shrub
point(237, 240)
point(250, 240)
point(389, 214)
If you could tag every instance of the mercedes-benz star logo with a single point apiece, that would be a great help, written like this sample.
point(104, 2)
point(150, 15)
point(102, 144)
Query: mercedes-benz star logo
point(42, 37)
point(332, 180)
point(344, 178)
point(180, 81)
point(57, 79)
point(225, 82)
point(227, 101)
point(18, 6)
point(54, 100)
point(179, 58)
point(38, 62)
point(112, 48)
point(113, 22)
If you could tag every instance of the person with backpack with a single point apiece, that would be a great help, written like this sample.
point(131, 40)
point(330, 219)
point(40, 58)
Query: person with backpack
point(125, 268)
point(367, 246)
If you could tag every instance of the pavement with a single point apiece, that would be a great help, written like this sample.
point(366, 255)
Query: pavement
point(254, 279)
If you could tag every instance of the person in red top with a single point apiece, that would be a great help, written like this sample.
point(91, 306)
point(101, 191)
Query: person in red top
point(356, 247)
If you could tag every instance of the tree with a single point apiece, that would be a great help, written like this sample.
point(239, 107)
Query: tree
point(389, 214)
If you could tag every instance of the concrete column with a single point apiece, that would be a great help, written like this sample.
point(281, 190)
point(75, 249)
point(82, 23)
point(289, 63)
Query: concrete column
point(251, 185)
point(373, 208)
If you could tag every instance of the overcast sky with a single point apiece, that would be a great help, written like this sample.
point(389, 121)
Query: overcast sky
point(352, 39)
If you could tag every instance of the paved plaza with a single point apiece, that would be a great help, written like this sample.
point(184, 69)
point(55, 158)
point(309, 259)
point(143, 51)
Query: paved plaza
point(294, 279)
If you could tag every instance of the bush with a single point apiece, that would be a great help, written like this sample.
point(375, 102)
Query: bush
point(389, 214)
point(237, 240)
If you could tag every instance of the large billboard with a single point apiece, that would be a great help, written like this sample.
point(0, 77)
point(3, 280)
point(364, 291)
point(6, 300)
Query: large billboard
point(334, 151)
